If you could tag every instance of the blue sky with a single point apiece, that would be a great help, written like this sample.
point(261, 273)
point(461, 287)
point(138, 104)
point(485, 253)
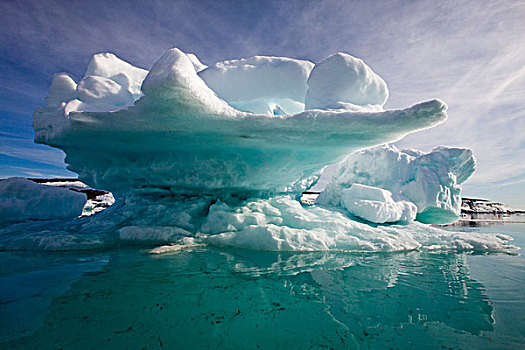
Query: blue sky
point(470, 54)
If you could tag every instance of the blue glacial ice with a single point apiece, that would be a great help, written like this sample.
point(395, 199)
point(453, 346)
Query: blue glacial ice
point(220, 155)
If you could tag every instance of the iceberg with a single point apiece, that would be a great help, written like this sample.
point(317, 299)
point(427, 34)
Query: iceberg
point(432, 181)
point(219, 155)
point(193, 139)
point(22, 200)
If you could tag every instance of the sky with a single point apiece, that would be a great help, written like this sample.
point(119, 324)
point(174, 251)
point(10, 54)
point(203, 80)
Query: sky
point(470, 54)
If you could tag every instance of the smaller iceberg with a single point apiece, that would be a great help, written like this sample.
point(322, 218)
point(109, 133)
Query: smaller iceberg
point(22, 200)
point(431, 181)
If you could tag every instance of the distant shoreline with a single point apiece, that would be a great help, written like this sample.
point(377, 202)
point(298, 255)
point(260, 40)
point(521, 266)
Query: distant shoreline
point(495, 221)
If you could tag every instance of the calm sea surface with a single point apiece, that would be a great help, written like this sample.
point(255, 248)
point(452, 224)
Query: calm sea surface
point(208, 297)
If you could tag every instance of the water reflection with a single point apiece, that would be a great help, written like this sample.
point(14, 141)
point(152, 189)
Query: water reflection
point(382, 297)
point(208, 297)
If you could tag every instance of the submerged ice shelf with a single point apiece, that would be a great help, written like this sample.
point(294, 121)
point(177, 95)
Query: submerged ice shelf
point(219, 154)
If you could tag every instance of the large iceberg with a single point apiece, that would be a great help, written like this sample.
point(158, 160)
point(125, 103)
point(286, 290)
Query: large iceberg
point(181, 134)
point(219, 155)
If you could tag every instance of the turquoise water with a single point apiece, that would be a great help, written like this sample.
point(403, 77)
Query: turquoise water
point(208, 297)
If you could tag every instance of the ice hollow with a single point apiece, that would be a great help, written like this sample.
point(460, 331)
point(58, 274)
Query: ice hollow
point(261, 84)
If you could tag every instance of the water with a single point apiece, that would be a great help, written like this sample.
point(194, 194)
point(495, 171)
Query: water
point(208, 297)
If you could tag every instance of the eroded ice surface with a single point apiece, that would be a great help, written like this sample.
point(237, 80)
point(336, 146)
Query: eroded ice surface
point(185, 163)
point(282, 223)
